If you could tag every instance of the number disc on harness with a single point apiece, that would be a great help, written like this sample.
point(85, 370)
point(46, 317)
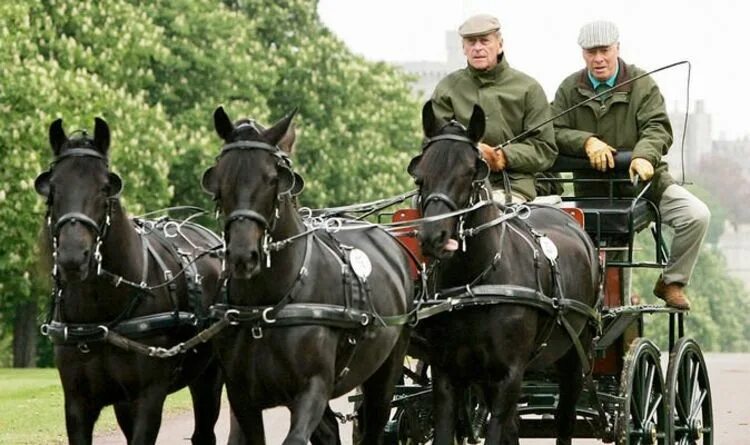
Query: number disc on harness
point(548, 248)
point(360, 263)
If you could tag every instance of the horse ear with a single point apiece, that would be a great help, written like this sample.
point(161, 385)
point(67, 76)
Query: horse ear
point(101, 135)
point(287, 141)
point(209, 183)
point(476, 124)
point(57, 136)
point(223, 125)
point(41, 183)
point(282, 132)
point(429, 121)
point(115, 185)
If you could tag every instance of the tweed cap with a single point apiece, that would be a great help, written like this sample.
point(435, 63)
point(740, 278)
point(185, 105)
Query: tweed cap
point(599, 33)
point(478, 25)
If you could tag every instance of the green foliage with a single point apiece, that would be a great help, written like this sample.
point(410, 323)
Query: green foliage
point(31, 408)
point(719, 303)
point(155, 70)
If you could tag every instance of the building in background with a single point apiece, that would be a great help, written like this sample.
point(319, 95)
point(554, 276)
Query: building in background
point(735, 245)
point(735, 149)
point(428, 74)
point(698, 142)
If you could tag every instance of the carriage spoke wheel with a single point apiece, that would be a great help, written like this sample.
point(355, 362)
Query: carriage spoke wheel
point(642, 415)
point(689, 396)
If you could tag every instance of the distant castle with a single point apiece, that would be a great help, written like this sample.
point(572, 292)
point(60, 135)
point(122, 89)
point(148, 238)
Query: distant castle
point(428, 74)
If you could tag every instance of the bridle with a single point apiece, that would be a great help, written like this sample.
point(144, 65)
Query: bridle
point(479, 187)
point(284, 167)
point(99, 229)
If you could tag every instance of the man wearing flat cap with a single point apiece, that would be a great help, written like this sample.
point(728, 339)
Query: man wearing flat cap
point(512, 102)
point(630, 118)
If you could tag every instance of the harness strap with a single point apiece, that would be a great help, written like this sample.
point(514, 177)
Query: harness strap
point(172, 286)
point(504, 293)
point(303, 314)
point(73, 333)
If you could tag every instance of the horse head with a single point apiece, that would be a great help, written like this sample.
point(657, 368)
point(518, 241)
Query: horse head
point(79, 189)
point(252, 174)
point(449, 172)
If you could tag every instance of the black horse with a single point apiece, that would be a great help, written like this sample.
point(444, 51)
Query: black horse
point(109, 299)
point(508, 256)
point(318, 313)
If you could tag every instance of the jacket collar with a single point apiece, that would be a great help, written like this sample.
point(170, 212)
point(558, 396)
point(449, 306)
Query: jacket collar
point(584, 84)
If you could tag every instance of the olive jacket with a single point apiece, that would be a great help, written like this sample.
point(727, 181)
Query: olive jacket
point(632, 118)
point(513, 102)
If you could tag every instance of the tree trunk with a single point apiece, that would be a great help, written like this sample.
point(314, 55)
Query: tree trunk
point(25, 334)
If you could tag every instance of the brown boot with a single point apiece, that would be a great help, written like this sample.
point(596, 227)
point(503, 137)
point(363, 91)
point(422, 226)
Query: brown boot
point(673, 294)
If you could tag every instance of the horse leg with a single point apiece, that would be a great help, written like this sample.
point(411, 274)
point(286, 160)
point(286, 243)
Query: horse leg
point(444, 403)
point(502, 397)
point(328, 430)
point(236, 436)
point(124, 415)
point(148, 409)
point(248, 418)
point(80, 417)
point(377, 393)
point(206, 395)
point(571, 384)
point(307, 411)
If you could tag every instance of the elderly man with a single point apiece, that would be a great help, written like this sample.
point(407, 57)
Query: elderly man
point(512, 101)
point(630, 118)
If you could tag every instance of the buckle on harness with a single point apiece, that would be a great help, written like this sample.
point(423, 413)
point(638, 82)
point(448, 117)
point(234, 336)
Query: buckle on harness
point(265, 316)
point(365, 320)
point(232, 316)
point(257, 332)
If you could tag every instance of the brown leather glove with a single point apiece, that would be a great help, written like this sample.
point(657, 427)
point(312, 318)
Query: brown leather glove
point(495, 158)
point(642, 168)
point(600, 154)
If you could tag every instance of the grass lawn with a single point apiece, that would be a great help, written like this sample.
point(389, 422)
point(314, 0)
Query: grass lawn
point(32, 410)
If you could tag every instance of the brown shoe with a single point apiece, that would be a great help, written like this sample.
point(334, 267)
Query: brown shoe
point(673, 294)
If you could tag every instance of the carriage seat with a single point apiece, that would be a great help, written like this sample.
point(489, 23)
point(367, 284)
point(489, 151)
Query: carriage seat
point(606, 218)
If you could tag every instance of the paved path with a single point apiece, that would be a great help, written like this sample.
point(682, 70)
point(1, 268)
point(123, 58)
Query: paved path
point(730, 388)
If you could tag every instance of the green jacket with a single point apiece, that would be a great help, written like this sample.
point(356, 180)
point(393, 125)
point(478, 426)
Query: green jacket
point(513, 102)
point(633, 118)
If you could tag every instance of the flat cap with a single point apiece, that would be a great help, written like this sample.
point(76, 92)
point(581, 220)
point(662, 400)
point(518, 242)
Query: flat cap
point(599, 33)
point(478, 25)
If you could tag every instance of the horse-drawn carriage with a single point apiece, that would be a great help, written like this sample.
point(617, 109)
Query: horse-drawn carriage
point(628, 396)
point(526, 314)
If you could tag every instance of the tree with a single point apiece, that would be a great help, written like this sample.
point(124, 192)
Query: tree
point(719, 303)
point(156, 71)
point(36, 88)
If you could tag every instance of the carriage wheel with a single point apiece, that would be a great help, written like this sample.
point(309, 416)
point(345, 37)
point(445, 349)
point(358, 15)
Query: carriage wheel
point(414, 425)
point(642, 415)
point(473, 418)
point(689, 396)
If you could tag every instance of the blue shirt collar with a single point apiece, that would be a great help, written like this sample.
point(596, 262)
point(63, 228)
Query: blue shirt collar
point(609, 82)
